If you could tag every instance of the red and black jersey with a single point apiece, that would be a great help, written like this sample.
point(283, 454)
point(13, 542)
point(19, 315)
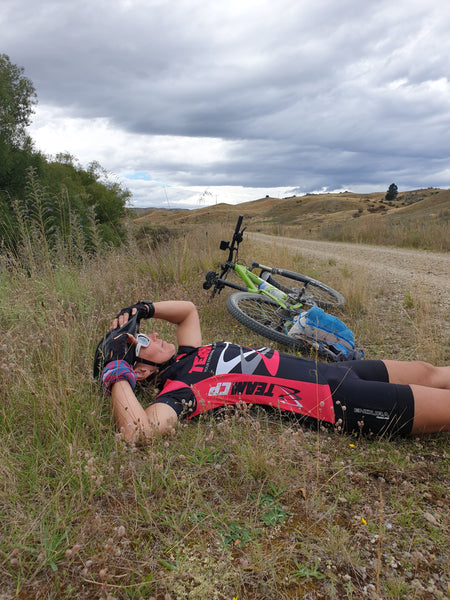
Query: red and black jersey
point(223, 373)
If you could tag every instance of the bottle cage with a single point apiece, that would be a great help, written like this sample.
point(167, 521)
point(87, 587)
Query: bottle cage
point(103, 347)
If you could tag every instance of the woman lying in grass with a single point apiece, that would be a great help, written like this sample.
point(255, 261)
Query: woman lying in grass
point(368, 396)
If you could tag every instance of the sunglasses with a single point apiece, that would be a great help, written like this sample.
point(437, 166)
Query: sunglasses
point(143, 341)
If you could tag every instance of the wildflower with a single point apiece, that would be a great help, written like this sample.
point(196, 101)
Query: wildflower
point(363, 521)
point(121, 531)
point(352, 445)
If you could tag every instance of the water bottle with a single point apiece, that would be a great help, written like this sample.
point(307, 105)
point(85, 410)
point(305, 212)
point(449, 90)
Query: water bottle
point(271, 289)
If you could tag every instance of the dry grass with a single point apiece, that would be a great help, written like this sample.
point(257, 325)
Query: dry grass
point(247, 506)
point(417, 219)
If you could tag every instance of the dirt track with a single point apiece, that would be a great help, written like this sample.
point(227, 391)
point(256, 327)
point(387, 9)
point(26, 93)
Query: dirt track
point(397, 265)
point(398, 270)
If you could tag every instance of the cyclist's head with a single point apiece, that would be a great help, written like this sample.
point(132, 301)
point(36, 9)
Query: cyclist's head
point(152, 355)
point(148, 354)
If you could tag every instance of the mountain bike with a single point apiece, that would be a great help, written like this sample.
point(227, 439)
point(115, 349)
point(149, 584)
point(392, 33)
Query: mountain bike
point(274, 302)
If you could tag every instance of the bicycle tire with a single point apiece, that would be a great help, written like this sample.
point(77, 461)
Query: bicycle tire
point(315, 292)
point(263, 316)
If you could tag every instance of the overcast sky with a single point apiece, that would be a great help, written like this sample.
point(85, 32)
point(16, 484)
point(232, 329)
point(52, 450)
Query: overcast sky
point(193, 102)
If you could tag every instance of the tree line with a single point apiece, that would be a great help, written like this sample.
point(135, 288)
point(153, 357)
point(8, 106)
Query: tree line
point(52, 194)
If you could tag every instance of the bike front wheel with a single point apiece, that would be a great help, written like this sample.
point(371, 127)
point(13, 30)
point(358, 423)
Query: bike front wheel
point(265, 317)
point(304, 289)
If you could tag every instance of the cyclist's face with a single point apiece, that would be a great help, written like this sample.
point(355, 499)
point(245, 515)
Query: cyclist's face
point(158, 350)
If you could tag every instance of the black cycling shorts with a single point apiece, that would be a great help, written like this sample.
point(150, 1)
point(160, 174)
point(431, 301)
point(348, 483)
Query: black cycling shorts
point(364, 400)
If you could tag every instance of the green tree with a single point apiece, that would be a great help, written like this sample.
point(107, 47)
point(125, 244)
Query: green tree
point(86, 191)
point(62, 191)
point(392, 192)
point(17, 98)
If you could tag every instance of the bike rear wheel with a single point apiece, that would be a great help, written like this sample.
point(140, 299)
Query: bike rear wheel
point(308, 291)
point(265, 317)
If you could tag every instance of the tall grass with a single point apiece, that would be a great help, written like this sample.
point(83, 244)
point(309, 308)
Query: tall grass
point(248, 506)
point(44, 232)
point(425, 233)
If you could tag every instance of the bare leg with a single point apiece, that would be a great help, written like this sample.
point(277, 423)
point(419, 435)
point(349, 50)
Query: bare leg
point(431, 409)
point(419, 373)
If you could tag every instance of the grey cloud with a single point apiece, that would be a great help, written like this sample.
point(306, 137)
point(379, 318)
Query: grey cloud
point(333, 94)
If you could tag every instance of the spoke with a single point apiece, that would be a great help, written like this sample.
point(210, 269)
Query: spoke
point(264, 313)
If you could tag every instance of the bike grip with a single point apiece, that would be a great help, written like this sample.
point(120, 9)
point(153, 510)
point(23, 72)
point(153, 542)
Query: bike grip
point(238, 224)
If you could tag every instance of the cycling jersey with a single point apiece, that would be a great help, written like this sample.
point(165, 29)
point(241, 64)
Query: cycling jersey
point(355, 396)
point(224, 373)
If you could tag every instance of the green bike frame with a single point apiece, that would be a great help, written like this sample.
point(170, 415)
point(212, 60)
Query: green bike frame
point(257, 285)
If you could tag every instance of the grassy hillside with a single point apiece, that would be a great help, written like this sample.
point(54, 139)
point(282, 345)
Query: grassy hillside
point(250, 506)
point(417, 219)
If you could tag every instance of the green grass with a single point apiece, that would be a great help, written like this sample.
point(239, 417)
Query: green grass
point(248, 506)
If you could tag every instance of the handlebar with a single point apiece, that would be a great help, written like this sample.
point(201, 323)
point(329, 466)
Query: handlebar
point(212, 278)
point(237, 238)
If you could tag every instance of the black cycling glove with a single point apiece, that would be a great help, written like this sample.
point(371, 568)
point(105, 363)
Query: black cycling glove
point(118, 349)
point(145, 310)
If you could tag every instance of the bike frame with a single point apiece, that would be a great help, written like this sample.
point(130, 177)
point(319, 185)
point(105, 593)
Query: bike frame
point(251, 280)
point(252, 283)
point(275, 315)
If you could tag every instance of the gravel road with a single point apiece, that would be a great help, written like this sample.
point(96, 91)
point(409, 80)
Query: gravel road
point(399, 270)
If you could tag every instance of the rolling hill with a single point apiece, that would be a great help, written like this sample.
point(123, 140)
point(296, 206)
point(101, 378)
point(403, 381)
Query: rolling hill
point(311, 212)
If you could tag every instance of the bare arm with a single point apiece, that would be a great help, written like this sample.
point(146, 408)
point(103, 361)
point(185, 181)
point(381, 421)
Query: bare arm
point(135, 423)
point(180, 312)
point(132, 421)
point(183, 314)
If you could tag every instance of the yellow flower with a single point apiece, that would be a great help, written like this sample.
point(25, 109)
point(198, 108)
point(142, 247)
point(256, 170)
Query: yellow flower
point(363, 521)
point(352, 445)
